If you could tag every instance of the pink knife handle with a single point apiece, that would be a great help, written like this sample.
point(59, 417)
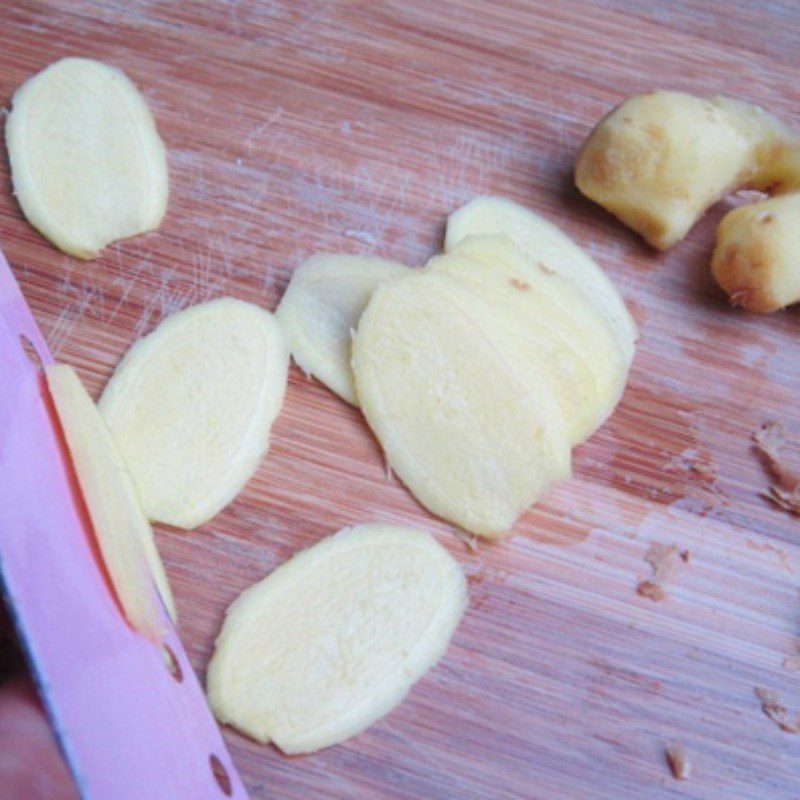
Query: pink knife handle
point(129, 729)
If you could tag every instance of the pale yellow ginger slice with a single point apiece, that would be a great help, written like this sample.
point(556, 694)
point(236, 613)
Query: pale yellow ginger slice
point(333, 639)
point(87, 163)
point(473, 435)
point(545, 244)
point(123, 534)
point(191, 406)
point(321, 308)
point(555, 325)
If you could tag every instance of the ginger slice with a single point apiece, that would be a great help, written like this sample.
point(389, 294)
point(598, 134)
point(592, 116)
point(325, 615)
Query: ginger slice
point(475, 435)
point(557, 328)
point(333, 639)
point(545, 244)
point(87, 162)
point(191, 406)
point(321, 308)
point(123, 534)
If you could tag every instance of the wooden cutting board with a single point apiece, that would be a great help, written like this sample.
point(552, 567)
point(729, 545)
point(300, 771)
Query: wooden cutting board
point(298, 127)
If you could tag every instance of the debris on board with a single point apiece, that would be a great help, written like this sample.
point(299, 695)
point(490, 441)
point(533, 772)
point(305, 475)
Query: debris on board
point(691, 460)
point(678, 761)
point(469, 539)
point(666, 561)
point(652, 590)
point(766, 547)
point(792, 663)
point(774, 709)
point(770, 440)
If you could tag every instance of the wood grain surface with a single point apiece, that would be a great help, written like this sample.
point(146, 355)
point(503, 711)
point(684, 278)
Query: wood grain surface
point(298, 127)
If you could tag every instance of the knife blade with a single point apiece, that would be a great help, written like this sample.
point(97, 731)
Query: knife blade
point(130, 717)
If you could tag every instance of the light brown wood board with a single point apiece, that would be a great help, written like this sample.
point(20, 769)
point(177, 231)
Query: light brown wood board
point(298, 127)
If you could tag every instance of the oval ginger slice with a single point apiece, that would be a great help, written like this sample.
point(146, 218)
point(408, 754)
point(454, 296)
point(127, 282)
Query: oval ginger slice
point(87, 162)
point(552, 321)
point(191, 406)
point(122, 532)
point(543, 242)
point(321, 308)
point(333, 639)
point(468, 431)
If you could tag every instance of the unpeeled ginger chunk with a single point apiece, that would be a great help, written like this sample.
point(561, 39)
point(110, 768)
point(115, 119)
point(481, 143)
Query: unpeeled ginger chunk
point(659, 160)
point(333, 639)
point(757, 257)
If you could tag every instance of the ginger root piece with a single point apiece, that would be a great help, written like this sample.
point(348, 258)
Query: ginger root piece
point(321, 308)
point(543, 243)
point(191, 406)
point(332, 640)
point(87, 163)
point(474, 435)
point(757, 257)
point(658, 161)
point(123, 534)
point(559, 331)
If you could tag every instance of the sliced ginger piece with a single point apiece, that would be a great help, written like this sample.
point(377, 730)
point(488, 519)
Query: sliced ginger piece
point(122, 532)
point(332, 640)
point(191, 406)
point(473, 435)
point(321, 308)
point(556, 327)
point(87, 162)
point(545, 244)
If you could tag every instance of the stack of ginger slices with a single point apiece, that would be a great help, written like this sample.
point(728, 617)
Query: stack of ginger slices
point(478, 373)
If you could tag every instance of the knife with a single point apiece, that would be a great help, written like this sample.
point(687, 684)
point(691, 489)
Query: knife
point(130, 716)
